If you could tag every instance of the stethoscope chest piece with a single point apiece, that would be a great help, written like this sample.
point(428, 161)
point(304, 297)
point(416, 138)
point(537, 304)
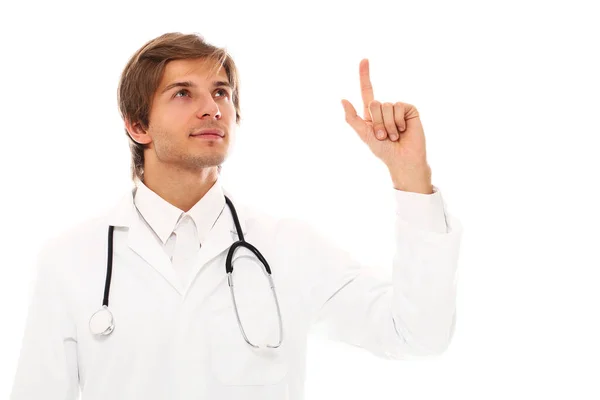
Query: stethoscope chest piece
point(102, 322)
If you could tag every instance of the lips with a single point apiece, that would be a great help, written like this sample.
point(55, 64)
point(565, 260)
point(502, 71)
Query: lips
point(217, 132)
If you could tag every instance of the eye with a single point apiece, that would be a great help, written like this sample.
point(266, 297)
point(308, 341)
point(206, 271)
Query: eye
point(182, 91)
point(224, 91)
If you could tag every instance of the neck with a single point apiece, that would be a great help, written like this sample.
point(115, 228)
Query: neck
point(181, 188)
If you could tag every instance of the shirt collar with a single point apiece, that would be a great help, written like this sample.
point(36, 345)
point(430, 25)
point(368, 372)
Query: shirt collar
point(163, 217)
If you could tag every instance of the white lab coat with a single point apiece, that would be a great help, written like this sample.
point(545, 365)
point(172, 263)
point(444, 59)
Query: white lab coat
point(174, 342)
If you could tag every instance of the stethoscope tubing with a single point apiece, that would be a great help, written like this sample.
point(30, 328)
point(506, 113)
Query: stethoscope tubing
point(105, 312)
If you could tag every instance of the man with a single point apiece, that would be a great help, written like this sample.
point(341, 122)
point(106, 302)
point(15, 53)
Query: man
point(175, 328)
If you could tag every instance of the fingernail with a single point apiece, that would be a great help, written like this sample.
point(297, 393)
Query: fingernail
point(380, 134)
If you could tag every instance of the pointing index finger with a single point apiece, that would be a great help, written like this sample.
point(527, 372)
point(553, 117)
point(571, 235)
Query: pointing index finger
point(366, 89)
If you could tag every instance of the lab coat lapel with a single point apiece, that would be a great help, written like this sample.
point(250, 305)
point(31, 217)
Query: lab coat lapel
point(222, 235)
point(141, 241)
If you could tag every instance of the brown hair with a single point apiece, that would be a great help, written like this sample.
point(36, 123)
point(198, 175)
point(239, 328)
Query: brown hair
point(143, 72)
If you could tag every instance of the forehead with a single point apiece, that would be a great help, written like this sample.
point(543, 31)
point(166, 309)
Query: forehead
point(191, 68)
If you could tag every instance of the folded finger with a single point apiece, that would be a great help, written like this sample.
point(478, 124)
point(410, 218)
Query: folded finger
point(399, 116)
point(389, 121)
point(377, 118)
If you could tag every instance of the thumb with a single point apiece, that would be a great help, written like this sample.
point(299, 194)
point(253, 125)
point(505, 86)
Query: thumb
point(354, 120)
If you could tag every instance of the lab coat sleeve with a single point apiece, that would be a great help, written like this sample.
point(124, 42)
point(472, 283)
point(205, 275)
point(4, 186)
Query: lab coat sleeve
point(410, 314)
point(421, 211)
point(47, 365)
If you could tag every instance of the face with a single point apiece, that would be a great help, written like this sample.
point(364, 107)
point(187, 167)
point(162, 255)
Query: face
point(187, 101)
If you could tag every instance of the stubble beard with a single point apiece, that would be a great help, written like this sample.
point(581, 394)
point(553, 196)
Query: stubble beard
point(167, 152)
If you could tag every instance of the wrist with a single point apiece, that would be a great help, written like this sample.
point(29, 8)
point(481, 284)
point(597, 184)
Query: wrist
point(416, 179)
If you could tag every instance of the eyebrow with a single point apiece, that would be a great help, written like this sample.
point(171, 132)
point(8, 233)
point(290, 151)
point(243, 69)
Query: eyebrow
point(189, 84)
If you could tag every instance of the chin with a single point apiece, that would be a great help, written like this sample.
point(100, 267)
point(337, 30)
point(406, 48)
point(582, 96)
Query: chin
point(213, 160)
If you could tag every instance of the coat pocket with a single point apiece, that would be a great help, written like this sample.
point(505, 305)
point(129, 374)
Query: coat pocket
point(233, 361)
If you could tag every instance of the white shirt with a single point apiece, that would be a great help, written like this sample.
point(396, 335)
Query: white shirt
point(162, 218)
point(174, 341)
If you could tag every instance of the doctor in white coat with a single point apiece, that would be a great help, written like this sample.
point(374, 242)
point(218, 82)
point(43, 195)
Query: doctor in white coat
point(174, 330)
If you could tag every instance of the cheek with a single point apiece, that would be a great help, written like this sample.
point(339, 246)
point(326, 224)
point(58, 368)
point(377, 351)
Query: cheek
point(173, 124)
point(178, 115)
point(228, 114)
point(165, 136)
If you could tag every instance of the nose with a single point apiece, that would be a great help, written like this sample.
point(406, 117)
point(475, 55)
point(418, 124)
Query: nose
point(208, 109)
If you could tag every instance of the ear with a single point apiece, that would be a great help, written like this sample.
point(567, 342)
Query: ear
point(137, 133)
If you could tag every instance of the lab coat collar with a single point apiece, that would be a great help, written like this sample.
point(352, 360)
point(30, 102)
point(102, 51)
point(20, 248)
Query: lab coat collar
point(142, 241)
point(163, 217)
point(124, 211)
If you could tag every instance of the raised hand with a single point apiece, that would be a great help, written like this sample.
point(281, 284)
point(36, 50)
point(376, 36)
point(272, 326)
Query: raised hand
point(394, 133)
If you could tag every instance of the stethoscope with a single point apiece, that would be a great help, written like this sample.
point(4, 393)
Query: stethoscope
point(102, 322)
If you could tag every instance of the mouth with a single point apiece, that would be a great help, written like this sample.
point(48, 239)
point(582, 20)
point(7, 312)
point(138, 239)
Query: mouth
point(208, 137)
point(209, 134)
point(212, 136)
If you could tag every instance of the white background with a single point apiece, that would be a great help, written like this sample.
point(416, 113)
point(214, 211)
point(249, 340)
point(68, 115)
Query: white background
point(508, 97)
